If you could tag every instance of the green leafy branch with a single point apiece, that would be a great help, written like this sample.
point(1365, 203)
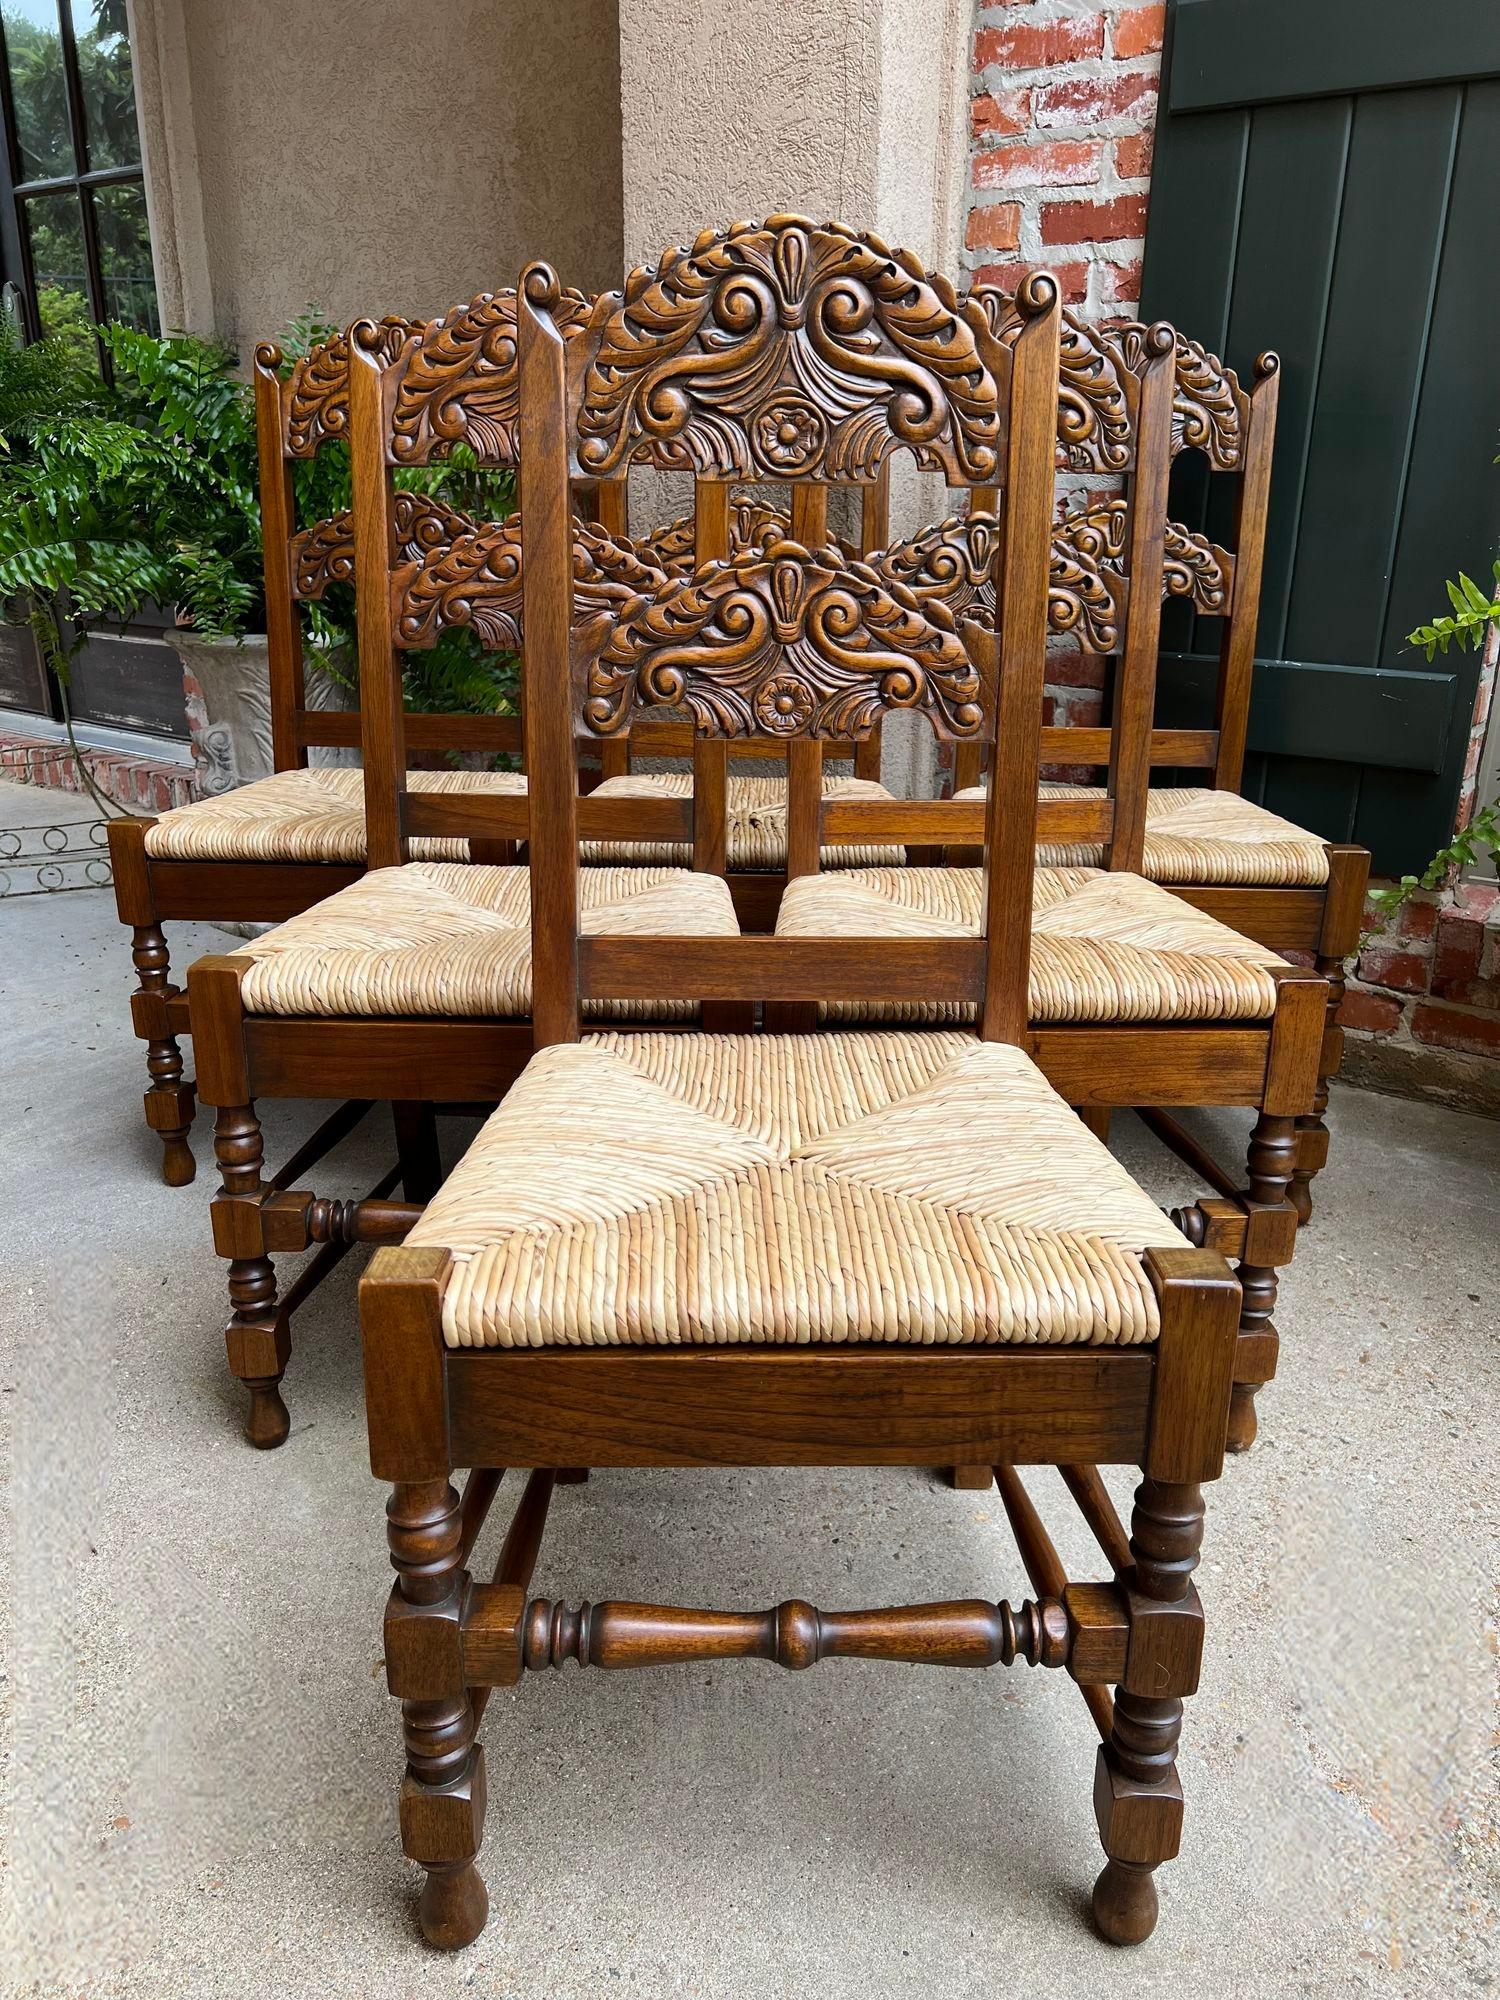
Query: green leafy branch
point(1473, 612)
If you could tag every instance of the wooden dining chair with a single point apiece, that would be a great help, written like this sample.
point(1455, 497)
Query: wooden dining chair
point(1258, 873)
point(698, 1249)
point(1137, 999)
point(269, 849)
point(413, 982)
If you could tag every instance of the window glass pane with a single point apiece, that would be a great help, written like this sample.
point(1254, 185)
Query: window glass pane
point(38, 91)
point(125, 255)
point(55, 224)
point(103, 43)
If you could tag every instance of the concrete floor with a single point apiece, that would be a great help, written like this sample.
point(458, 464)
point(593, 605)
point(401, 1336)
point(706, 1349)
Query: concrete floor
point(201, 1761)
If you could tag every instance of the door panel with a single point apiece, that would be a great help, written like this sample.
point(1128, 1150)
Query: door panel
point(1311, 198)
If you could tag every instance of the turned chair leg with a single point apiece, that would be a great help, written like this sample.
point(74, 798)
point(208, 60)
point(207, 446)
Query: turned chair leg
point(443, 1794)
point(257, 1337)
point(170, 1101)
point(417, 1149)
point(1312, 1132)
point(1137, 1797)
point(1272, 1161)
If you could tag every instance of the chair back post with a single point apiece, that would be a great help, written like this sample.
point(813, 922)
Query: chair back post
point(711, 535)
point(611, 508)
point(1021, 566)
point(381, 698)
point(547, 599)
point(1134, 708)
point(1237, 642)
point(874, 534)
point(277, 526)
point(804, 754)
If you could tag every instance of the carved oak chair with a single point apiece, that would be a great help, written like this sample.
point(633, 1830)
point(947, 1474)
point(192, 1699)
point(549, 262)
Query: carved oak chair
point(414, 981)
point(857, 1248)
point(1127, 979)
point(272, 848)
point(1225, 855)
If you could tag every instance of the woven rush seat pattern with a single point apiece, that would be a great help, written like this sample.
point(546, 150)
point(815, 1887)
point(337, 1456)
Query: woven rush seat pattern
point(646, 1190)
point(312, 815)
point(1195, 835)
point(1104, 947)
point(450, 940)
point(755, 822)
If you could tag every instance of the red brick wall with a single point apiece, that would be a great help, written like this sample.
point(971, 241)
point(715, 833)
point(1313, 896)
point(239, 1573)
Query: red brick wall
point(1422, 1012)
point(141, 784)
point(1063, 107)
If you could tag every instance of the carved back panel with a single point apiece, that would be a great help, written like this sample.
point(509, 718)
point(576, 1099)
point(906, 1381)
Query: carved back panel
point(800, 352)
point(459, 385)
point(297, 413)
point(789, 350)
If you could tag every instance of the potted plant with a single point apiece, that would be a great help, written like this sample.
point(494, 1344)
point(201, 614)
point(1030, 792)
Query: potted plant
point(117, 494)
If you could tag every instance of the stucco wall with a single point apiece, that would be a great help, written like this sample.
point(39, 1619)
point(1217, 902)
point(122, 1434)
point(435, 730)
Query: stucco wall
point(853, 110)
point(841, 108)
point(371, 158)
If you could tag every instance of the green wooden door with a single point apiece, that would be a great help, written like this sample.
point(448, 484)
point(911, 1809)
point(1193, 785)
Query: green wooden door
point(1324, 185)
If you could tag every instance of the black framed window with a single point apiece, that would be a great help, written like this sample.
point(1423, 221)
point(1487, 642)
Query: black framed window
point(73, 228)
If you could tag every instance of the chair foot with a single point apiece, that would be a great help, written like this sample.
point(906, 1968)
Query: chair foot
point(1243, 1422)
point(178, 1167)
point(268, 1423)
point(454, 1906)
point(1125, 1903)
point(971, 1478)
point(1299, 1194)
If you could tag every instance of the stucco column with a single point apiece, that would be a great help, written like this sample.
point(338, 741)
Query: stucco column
point(850, 110)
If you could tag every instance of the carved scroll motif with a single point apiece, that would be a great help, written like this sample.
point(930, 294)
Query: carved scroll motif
point(318, 391)
point(952, 565)
point(751, 522)
point(461, 383)
point(785, 349)
point(474, 579)
point(1095, 431)
point(781, 642)
point(1209, 409)
point(324, 553)
point(1086, 582)
point(1199, 570)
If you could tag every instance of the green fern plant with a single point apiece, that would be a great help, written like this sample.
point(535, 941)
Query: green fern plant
point(117, 494)
point(1473, 613)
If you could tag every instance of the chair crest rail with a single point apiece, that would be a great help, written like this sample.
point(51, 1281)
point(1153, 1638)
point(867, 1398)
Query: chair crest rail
point(790, 348)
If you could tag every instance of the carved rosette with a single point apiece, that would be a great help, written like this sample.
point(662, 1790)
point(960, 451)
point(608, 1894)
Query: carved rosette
point(461, 384)
point(1094, 425)
point(317, 394)
point(781, 642)
point(790, 349)
point(474, 579)
point(1199, 570)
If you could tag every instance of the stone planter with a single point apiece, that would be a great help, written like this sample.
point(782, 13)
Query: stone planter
point(227, 683)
